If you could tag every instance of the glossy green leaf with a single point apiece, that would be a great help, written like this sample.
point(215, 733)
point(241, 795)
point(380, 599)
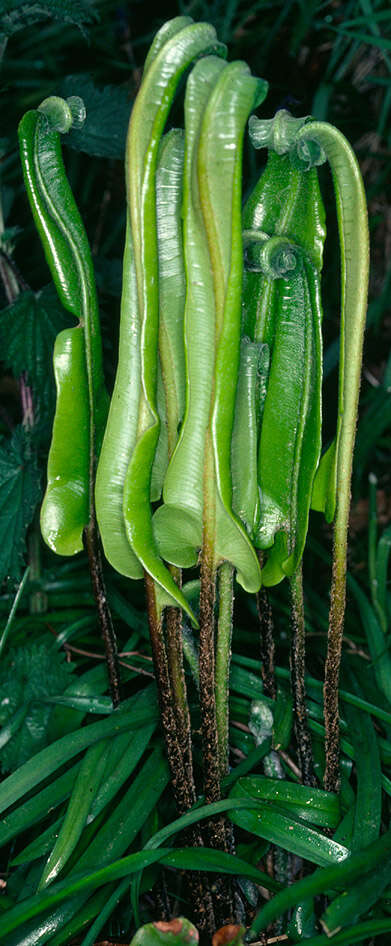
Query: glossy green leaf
point(350, 905)
point(47, 761)
point(310, 804)
point(180, 859)
point(354, 242)
point(298, 215)
point(41, 845)
point(377, 644)
point(216, 108)
point(121, 428)
point(178, 523)
point(282, 308)
point(250, 397)
point(127, 817)
point(368, 809)
point(291, 834)
point(290, 436)
point(37, 807)
point(113, 838)
point(329, 878)
point(172, 294)
point(355, 934)
point(83, 793)
point(78, 353)
point(147, 123)
point(65, 508)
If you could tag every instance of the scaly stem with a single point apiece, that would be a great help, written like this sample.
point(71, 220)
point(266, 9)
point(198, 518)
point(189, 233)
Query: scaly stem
point(218, 834)
point(183, 787)
point(91, 544)
point(173, 628)
point(297, 663)
point(267, 648)
point(223, 660)
point(207, 636)
point(333, 659)
point(168, 721)
point(207, 677)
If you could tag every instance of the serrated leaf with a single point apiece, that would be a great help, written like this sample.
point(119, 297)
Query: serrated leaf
point(104, 131)
point(20, 491)
point(28, 329)
point(16, 15)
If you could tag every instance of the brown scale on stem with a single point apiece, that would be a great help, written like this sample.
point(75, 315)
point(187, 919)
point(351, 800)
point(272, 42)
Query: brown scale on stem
point(179, 761)
point(331, 684)
point(267, 648)
point(92, 547)
point(297, 666)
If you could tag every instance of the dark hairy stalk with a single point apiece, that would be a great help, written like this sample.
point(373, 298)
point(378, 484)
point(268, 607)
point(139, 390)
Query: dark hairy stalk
point(182, 793)
point(265, 617)
point(223, 662)
point(216, 827)
point(207, 678)
point(297, 665)
point(332, 669)
point(183, 786)
point(174, 644)
point(92, 547)
point(216, 830)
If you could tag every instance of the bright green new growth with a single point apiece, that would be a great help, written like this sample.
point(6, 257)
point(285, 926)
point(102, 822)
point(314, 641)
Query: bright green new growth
point(146, 126)
point(121, 429)
point(178, 412)
point(218, 100)
point(281, 297)
point(82, 400)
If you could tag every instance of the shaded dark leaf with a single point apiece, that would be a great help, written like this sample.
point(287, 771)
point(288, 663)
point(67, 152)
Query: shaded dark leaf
point(20, 491)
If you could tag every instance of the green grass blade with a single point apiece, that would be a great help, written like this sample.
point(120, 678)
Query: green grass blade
point(84, 791)
point(38, 807)
point(276, 826)
point(310, 804)
point(44, 763)
point(368, 794)
point(348, 907)
point(336, 877)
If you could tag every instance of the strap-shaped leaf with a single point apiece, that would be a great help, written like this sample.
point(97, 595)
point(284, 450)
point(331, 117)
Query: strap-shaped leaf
point(172, 295)
point(220, 173)
point(284, 235)
point(78, 353)
point(122, 424)
point(65, 508)
point(147, 122)
point(250, 398)
point(284, 202)
point(308, 144)
point(354, 244)
point(166, 32)
point(178, 523)
point(213, 256)
point(291, 427)
point(121, 428)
